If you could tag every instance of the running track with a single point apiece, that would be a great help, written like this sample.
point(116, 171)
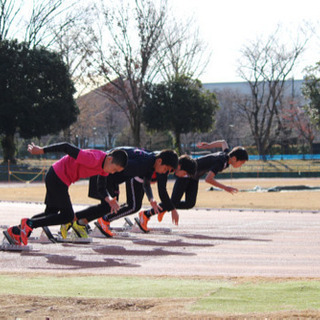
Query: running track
point(214, 243)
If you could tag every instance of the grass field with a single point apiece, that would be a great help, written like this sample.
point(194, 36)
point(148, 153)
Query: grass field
point(201, 297)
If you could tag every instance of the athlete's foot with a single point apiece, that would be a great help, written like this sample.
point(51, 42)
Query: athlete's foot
point(160, 215)
point(143, 222)
point(104, 227)
point(25, 231)
point(64, 228)
point(80, 230)
point(16, 238)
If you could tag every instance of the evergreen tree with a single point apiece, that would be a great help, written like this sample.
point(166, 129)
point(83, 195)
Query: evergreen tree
point(36, 94)
point(181, 106)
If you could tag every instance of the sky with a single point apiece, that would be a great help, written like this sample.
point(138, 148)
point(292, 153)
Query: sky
point(227, 25)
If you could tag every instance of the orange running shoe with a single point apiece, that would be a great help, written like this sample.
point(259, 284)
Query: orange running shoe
point(25, 231)
point(104, 227)
point(143, 221)
point(16, 238)
point(160, 215)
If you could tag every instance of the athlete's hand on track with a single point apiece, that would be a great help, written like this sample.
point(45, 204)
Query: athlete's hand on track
point(231, 190)
point(156, 208)
point(175, 217)
point(113, 203)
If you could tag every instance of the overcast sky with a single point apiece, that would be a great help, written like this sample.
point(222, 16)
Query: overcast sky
point(226, 25)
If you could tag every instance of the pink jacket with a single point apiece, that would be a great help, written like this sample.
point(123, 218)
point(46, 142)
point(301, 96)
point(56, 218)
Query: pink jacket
point(88, 163)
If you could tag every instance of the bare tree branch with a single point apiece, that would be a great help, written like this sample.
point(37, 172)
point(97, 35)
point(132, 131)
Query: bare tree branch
point(184, 53)
point(266, 66)
point(44, 18)
point(9, 11)
point(124, 54)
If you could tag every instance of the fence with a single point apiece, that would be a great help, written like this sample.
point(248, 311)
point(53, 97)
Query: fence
point(257, 174)
point(278, 157)
point(278, 167)
point(22, 173)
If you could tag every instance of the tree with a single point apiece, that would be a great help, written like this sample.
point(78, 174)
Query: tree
point(36, 94)
point(57, 25)
point(266, 66)
point(181, 106)
point(124, 58)
point(8, 14)
point(230, 122)
point(311, 92)
point(297, 125)
point(37, 24)
point(140, 43)
point(183, 53)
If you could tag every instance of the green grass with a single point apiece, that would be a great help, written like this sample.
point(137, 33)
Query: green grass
point(107, 286)
point(221, 296)
point(263, 297)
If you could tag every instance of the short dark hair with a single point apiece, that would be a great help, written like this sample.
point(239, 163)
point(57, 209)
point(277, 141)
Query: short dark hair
point(169, 158)
point(188, 164)
point(240, 153)
point(119, 157)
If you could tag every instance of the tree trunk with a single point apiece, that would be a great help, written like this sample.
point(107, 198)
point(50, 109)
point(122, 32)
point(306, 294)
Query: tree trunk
point(310, 141)
point(178, 142)
point(9, 148)
point(67, 135)
point(136, 132)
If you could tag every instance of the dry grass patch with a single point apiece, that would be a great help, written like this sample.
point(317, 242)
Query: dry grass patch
point(293, 200)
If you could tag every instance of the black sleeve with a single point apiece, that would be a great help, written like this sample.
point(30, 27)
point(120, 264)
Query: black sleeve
point(217, 167)
point(147, 188)
point(93, 188)
point(99, 187)
point(64, 147)
point(162, 190)
point(102, 187)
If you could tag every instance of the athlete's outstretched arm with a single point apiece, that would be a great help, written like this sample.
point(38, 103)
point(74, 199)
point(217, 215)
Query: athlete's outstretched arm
point(210, 178)
point(214, 144)
point(64, 147)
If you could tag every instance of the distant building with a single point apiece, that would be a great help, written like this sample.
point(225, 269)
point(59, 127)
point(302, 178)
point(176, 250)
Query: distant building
point(292, 87)
point(101, 122)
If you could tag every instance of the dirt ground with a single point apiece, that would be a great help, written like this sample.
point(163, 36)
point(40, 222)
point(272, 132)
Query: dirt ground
point(240, 243)
point(39, 308)
point(246, 198)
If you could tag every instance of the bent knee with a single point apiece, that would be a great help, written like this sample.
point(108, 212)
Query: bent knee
point(133, 207)
point(190, 204)
point(66, 216)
